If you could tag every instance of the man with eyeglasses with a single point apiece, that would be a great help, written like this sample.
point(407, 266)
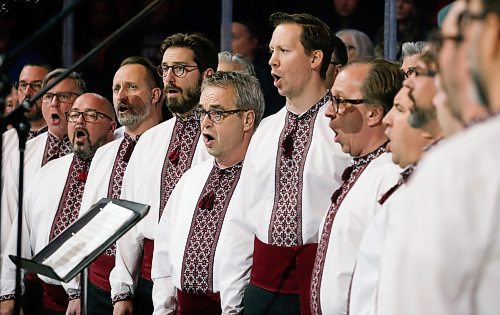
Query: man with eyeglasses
point(363, 93)
point(407, 146)
point(444, 253)
point(40, 150)
point(138, 101)
point(160, 158)
point(290, 171)
point(337, 61)
point(196, 236)
point(30, 82)
point(52, 201)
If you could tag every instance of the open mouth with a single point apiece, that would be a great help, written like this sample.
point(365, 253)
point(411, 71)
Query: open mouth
point(122, 108)
point(208, 139)
point(55, 116)
point(81, 134)
point(277, 79)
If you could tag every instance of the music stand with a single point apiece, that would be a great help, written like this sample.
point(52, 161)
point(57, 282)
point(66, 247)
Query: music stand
point(72, 251)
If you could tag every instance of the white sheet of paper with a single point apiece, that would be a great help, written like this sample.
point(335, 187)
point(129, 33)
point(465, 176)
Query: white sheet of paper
point(89, 238)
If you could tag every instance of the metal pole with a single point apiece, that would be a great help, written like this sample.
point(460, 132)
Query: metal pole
point(390, 30)
point(67, 40)
point(226, 25)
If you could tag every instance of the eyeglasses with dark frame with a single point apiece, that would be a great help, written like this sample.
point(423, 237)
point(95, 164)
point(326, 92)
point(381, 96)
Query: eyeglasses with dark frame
point(409, 72)
point(339, 106)
point(466, 17)
point(179, 70)
point(421, 72)
point(437, 39)
point(215, 115)
point(23, 85)
point(62, 97)
point(88, 115)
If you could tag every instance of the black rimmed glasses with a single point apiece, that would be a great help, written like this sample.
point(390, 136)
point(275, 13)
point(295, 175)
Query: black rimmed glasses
point(179, 70)
point(339, 104)
point(409, 72)
point(438, 39)
point(62, 97)
point(88, 115)
point(421, 72)
point(466, 17)
point(215, 115)
point(23, 85)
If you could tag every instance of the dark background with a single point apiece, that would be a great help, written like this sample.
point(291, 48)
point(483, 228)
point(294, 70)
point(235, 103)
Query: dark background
point(95, 19)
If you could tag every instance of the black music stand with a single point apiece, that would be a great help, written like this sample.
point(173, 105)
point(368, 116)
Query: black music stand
point(72, 251)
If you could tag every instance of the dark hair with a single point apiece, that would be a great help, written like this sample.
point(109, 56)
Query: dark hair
point(205, 53)
point(316, 35)
point(153, 78)
point(383, 81)
point(41, 65)
point(492, 6)
point(339, 54)
point(251, 27)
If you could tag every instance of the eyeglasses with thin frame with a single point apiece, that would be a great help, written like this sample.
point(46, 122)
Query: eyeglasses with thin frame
point(62, 97)
point(179, 70)
point(409, 72)
point(23, 85)
point(215, 115)
point(88, 115)
point(339, 104)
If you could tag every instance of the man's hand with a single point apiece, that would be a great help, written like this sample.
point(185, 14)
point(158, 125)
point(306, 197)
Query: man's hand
point(123, 308)
point(7, 307)
point(74, 307)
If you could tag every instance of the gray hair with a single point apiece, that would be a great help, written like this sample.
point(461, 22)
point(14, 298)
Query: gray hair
point(75, 76)
point(362, 43)
point(226, 56)
point(248, 94)
point(412, 48)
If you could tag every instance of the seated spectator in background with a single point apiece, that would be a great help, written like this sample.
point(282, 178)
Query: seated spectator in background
point(338, 60)
point(11, 100)
point(235, 62)
point(246, 42)
point(358, 44)
point(410, 53)
point(411, 26)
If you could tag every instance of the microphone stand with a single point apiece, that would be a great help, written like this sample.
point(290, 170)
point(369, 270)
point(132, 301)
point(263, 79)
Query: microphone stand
point(16, 118)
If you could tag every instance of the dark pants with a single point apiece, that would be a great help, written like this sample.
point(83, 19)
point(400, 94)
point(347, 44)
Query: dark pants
point(258, 301)
point(32, 299)
point(143, 297)
point(98, 301)
point(46, 311)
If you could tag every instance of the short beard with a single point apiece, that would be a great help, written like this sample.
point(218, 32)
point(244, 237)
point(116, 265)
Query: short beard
point(421, 116)
point(134, 118)
point(34, 116)
point(87, 151)
point(185, 103)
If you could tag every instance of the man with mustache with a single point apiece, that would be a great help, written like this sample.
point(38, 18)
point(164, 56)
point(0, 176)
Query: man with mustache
point(138, 99)
point(443, 256)
point(51, 204)
point(160, 158)
point(40, 150)
point(407, 146)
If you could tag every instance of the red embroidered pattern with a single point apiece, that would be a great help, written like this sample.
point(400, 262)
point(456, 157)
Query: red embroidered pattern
point(295, 139)
point(71, 198)
point(179, 156)
point(359, 165)
point(56, 148)
point(35, 133)
point(126, 148)
point(199, 253)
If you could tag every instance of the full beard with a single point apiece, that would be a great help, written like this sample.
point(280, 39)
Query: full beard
point(135, 116)
point(87, 150)
point(185, 103)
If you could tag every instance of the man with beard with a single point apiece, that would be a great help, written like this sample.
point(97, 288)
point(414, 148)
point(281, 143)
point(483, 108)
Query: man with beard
point(40, 150)
point(160, 158)
point(363, 93)
point(137, 98)
point(407, 146)
point(51, 204)
point(30, 82)
point(443, 256)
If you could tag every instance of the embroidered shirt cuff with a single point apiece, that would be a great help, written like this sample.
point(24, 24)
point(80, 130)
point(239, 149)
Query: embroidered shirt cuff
point(73, 296)
point(7, 297)
point(122, 297)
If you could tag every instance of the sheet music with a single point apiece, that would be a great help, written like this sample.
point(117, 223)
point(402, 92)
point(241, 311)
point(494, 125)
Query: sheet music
point(105, 223)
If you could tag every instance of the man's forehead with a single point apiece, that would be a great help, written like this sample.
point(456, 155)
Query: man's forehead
point(178, 55)
point(33, 73)
point(216, 97)
point(67, 84)
point(130, 72)
point(403, 98)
